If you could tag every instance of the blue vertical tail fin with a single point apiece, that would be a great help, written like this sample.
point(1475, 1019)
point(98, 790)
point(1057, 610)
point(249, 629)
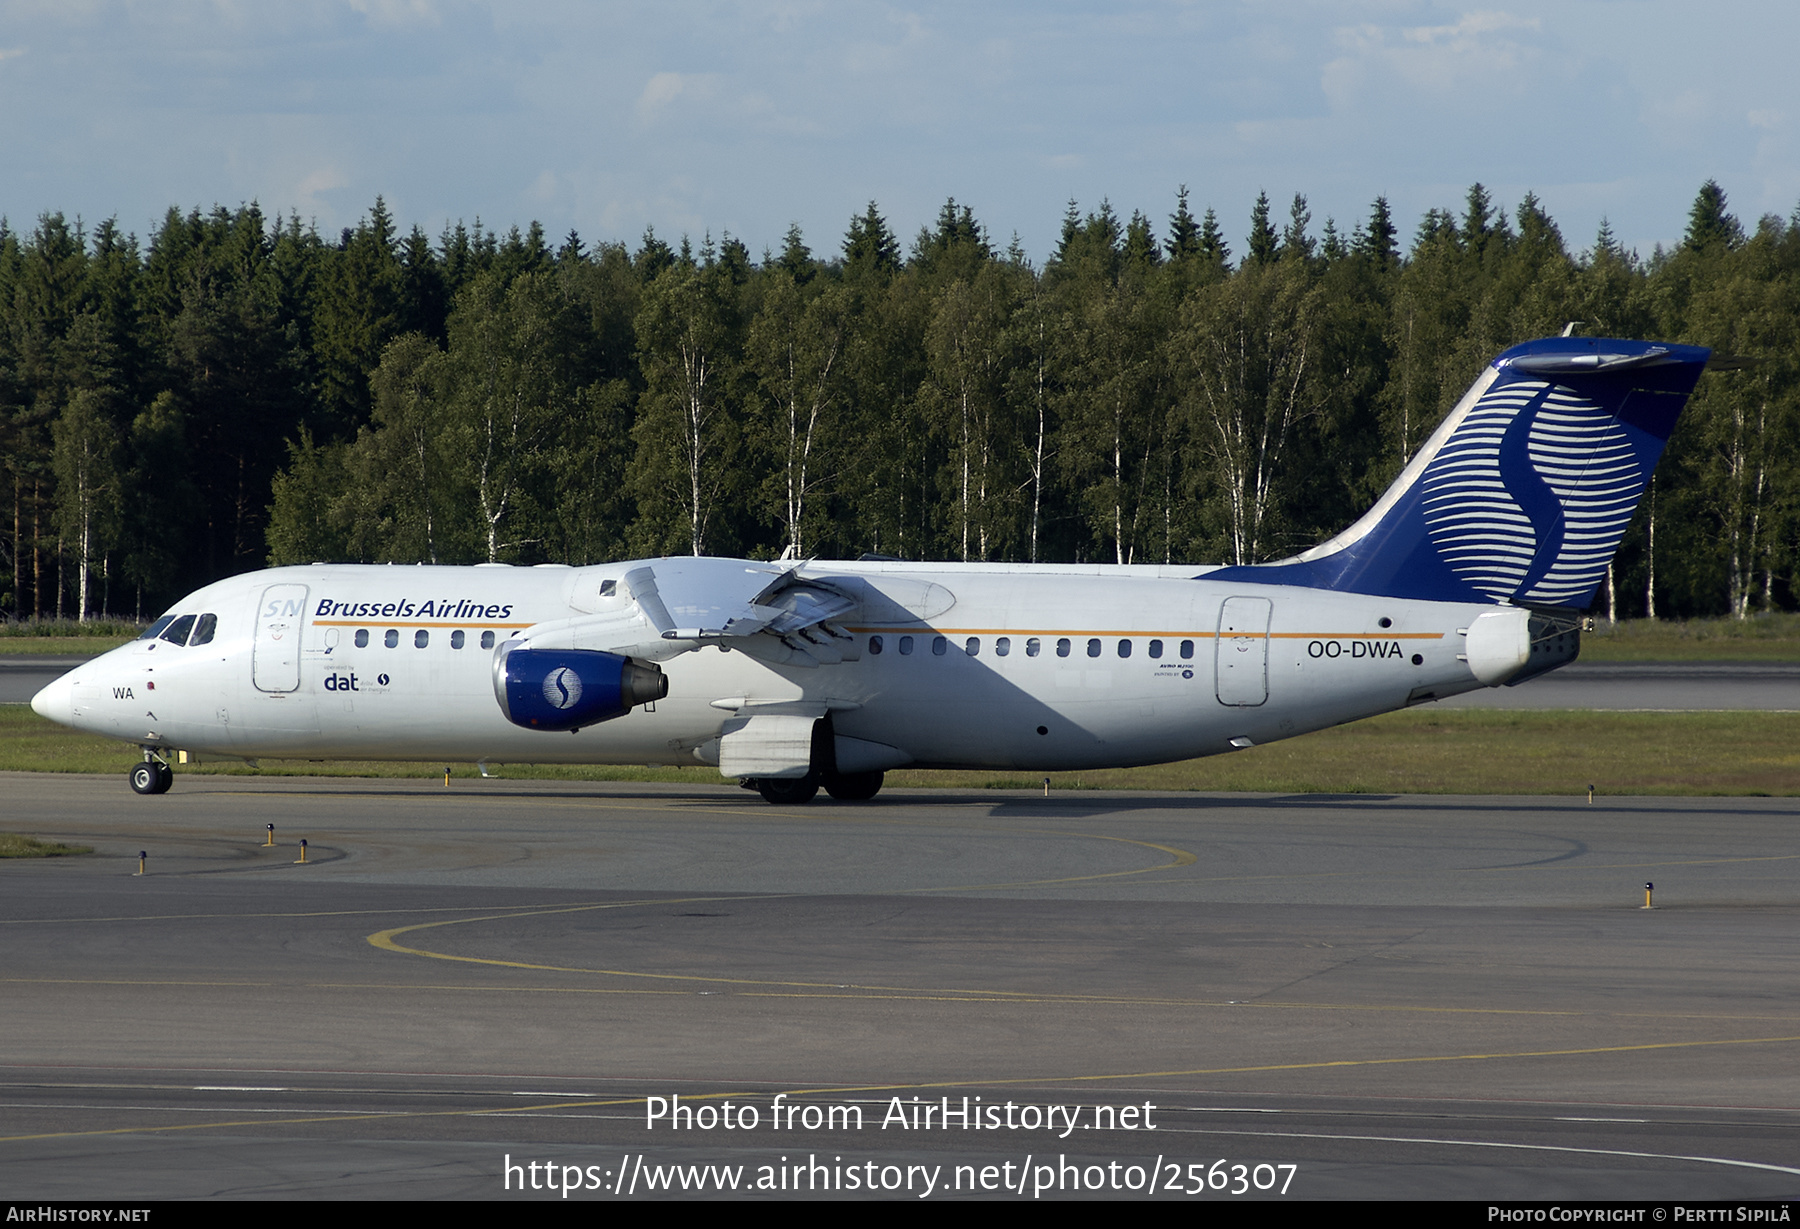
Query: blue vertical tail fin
point(1523, 492)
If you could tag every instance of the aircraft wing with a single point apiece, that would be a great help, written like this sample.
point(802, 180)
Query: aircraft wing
point(672, 606)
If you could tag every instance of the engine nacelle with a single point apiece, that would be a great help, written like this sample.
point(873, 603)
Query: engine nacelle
point(566, 689)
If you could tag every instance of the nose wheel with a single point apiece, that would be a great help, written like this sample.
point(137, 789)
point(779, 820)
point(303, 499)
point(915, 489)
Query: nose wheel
point(152, 777)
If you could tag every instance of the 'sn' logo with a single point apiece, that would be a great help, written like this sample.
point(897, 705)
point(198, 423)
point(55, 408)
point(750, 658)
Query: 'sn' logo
point(562, 688)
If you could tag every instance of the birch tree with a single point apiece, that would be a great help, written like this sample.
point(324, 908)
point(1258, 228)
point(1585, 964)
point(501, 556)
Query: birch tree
point(965, 390)
point(87, 485)
point(509, 399)
point(1249, 390)
point(688, 347)
point(795, 351)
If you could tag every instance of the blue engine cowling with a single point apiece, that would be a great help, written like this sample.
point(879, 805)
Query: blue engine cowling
point(566, 689)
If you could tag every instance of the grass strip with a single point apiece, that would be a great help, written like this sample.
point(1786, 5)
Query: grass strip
point(72, 646)
point(1420, 751)
point(1770, 637)
point(16, 845)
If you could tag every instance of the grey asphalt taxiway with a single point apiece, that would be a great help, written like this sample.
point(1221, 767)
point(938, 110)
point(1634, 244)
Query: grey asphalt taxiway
point(466, 990)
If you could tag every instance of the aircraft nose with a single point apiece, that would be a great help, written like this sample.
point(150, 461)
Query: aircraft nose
point(56, 701)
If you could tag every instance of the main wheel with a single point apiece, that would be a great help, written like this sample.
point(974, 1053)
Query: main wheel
point(165, 777)
point(854, 786)
point(788, 791)
point(145, 779)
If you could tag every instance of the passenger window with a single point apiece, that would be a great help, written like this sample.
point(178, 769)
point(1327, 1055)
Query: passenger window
point(456, 639)
point(1156, 648)
point(1003, 646)
point(1124, 648)
point(203, 630)
point(938, 646)
point(1062, 647)
point(421, 638)
point(179, 629)
point(362, 637)
point(487, 640)
point(1187, 648)
point(874, 646)
point(1033, 646)
point(973, 645)
point(1094, 647)
point(392, 639)
point(906, 646)
point(155, 630)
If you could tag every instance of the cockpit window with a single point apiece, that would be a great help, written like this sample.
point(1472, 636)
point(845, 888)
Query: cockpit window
point(179, 629)
point(203, 630)
point(156, 629)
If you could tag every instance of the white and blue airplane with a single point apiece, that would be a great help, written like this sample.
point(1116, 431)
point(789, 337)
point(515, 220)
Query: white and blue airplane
point(1470, 572)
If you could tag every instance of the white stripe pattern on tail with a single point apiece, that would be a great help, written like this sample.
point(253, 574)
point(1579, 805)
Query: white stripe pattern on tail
point(1490, 541)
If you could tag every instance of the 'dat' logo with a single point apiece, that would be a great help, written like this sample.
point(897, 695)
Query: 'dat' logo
point(563, 688)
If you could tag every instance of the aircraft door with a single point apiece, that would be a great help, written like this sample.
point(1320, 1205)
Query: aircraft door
point(275, 658)
point(1241, 651)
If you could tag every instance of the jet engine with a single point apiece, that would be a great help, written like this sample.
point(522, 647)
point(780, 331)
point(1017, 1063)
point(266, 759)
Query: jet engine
point(566, 689)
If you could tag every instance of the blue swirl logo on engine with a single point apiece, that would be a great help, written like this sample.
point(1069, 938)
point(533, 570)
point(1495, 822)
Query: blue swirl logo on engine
point(562, 688)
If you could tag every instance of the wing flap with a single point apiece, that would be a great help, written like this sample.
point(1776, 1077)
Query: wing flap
point(677, 605)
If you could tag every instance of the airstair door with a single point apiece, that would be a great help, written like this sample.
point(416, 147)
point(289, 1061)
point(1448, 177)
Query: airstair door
point(275, 658)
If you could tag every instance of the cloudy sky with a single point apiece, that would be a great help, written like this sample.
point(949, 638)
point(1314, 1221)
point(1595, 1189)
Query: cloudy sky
point(744, 118)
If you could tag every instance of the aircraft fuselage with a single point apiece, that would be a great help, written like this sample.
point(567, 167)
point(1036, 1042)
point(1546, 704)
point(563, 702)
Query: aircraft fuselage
point(973, 666)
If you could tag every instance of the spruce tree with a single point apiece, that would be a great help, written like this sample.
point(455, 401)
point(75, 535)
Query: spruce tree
point(796, 258)
point(870, 248)
point(1141, 252)
point(1212, 240)
point(1377, 242)
point(1294, 240)
point(1478, 217)
point(1264, 244)
point(653, 256)
point(1184, 231)
point(1708, 223)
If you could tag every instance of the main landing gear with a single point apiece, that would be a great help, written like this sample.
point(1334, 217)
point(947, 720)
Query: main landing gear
point(853, 786)
point(795, 791)
point(153, 776)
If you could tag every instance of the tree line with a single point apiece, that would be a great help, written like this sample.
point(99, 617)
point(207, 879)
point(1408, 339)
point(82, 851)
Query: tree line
point(239, 390)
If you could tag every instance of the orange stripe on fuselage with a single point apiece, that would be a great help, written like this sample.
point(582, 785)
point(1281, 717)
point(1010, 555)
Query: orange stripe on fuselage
point(1015, 631)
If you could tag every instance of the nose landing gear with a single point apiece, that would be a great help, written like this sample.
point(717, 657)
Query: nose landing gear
point(153, 776)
